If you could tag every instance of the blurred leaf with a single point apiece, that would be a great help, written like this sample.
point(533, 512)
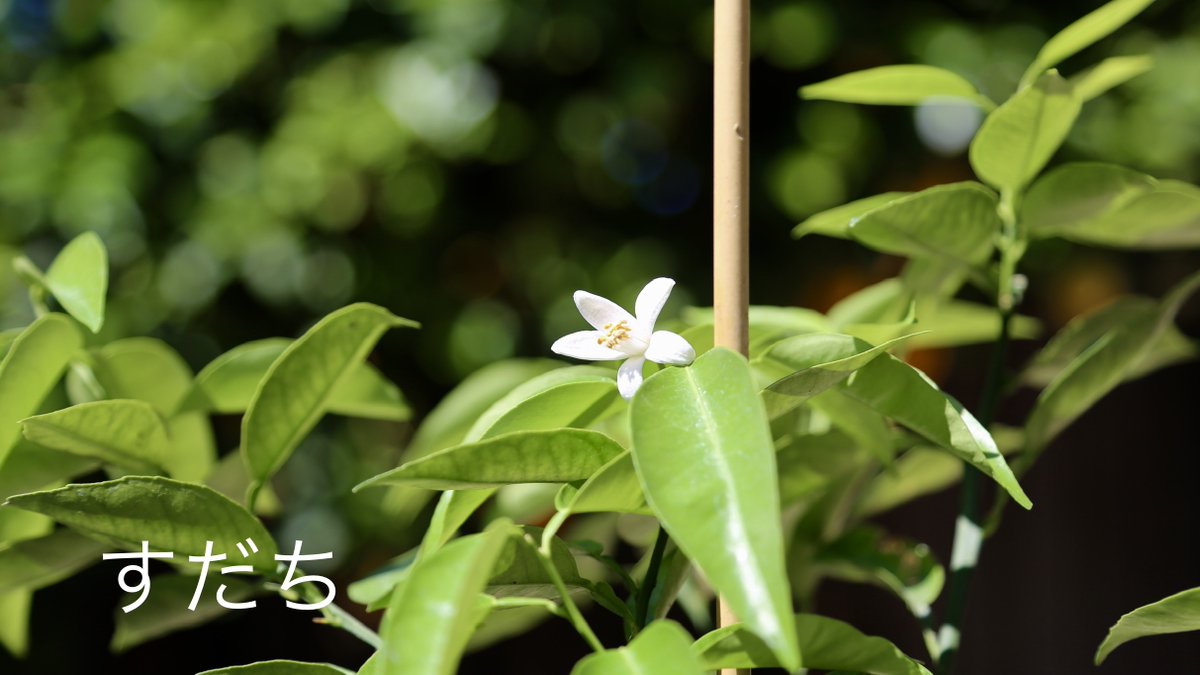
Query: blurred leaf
point(1178, 613)
point(905, 567)
point(123, 432)
point(918, 472)
point(31, 564)
point(14, 621)
point(662, 647)
point(614, 488)
point(1109, 73)
point(810, 463)
point(1078, 192)
point(1103, 365)
point(78, 278)
point(166, 610)
point(836, 221)
point(955, 223)
point(1018, 138)
point(555, 456)
point(432, 615)
point(281, 667)
point(895, 85)
point(518, 572)
point(172, 516)
point(228, 383)
point(861, 422)
point(703, 451)
point(35, 361)
point(30, 468)
point(826, 644)
point(954, 323)
point(1082, 33)
point(296, 389)
point(904, 394)
point(1164, 218)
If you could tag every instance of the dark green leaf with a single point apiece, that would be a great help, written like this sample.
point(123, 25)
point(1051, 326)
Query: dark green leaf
point(703, 452)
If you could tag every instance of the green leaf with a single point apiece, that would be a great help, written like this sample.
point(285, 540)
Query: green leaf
point(954, 323)
point(30, 468)
point(14, 621)
point(918, 472)
point(78, 278)
point(1109, 73)
point(902, 393)
point(432, 615)
point(171, 515)
point(905, 567)
point(1020, 136)
point(858, 420)
point(836, 221)
point(281, 667)
point(124, 432)
point(956, 223)
point(34, 363)
point(1166, 217)
point(662, 647)
point(166, 610)
point(810, 463)
point(1076, 193)
point(827, 644)
point(703, 452)
point(1178, 613)
point(1102, 366)
point(1082, 33)
point(228, 383)
point(518, 572)
point(554, 456)
point(896, 85)
point(614, 488)
point(566, 397)
point(297, 387)
point(149, 370)
point(819, 361)
point(447, 424)
point(36, 563)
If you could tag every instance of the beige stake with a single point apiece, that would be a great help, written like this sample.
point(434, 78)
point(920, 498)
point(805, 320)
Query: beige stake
point(731, 194)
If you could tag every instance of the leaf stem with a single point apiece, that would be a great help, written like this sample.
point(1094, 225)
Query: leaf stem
point(651, 579)
point(335, 616)
point(573, 613)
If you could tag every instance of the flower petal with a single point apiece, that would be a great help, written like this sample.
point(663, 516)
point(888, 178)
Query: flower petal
point(599, 311)
point(651, 300)
point(582, 345)
point(629, 377)
point(669, 349)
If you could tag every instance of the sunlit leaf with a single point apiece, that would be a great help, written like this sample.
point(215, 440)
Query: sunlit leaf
point(703, 451)
point(78, 278)
point(895, 85)
point(34, 363)
point(956, 223)
point(836, 221)
point(1082, 33)
point(281, 667)
point(1109, 73)
point(662, 647)
point(123, 432)
point(1175, 614)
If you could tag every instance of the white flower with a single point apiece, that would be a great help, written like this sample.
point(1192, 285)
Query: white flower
point(621, 336)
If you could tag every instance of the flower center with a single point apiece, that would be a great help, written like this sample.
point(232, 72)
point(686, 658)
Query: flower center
point(615, 334)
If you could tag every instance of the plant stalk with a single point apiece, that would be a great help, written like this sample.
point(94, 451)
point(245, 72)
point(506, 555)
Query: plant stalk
point(573, 613)
point(643, 609)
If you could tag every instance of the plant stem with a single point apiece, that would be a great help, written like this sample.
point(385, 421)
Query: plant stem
point(642, 613)
point(968, 533)
point(335, 616)
point(573, 613)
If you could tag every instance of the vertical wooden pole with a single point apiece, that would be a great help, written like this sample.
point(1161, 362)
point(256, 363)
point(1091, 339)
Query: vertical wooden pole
point(731, 194)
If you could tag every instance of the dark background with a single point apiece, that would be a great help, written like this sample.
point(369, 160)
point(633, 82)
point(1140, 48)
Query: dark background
point(252, 166)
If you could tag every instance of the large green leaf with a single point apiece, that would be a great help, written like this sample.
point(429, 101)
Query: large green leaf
point(1082, 33)
point(1109, 73)
point(1166, 217)
point(1020, 136)
point(896, 85)
point(227, 385)
point(956, 223)
point(703, 452)
point(836, 221)
point(904, 394)
point(124, 432)
point(1074, 194)
point(165, 609)
point(1178, 613)
point(826, 644)
point(296, 390)
point(566, 397)
point(78, 278)
point(431, 616)
point(662, 647)
point(35, 361)
point(1103, 365)
point(281, 667)
point(31, 564)
point(553, 456)
point(149, 370)
point(171, 515)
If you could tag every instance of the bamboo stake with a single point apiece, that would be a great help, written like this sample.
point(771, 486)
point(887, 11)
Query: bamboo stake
point(731, 194)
